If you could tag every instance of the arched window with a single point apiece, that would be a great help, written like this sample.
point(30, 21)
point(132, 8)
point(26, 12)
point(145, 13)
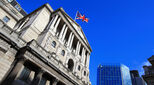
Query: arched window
point(70, 64)
point(53, 44)
point(62, 52)
point(79, 67)
point(84, 73)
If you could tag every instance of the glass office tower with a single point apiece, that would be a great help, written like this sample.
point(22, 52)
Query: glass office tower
point(115, 74)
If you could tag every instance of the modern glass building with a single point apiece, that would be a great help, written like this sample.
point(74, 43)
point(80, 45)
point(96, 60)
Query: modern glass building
point(113, 74)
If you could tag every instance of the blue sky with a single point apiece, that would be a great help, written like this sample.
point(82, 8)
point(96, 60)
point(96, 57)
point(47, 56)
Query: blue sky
point(119, 31)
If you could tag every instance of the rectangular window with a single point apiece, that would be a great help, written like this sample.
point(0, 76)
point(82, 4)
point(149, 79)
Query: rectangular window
point(17, 7)
point(6, 19)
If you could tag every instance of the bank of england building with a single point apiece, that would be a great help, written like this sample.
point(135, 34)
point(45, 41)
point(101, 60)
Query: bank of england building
point(45, 47)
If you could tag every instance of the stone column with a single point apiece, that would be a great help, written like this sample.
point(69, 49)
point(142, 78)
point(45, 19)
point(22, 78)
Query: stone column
point(47, 82)
point(13, 74)
point(88, 59)
point(83, 54)
point(31, 76)
point(55, 81)
point(85, 61)
point(57, 23)
point(69, 39)
point(77, 46)
point(17, 25)
point(71, 42)
point(62, 31)
point(63, 37)
point(38, 77)
point(50, 22)
point(54, 21)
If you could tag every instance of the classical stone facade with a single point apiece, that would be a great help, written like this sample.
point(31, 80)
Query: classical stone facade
point(149, 72)
point(11, 11)
point(45, 47)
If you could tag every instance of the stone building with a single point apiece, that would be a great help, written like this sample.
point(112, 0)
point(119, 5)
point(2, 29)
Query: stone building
point(45, 47)
point(149, 72)
point(136, 79)
point(11, 11)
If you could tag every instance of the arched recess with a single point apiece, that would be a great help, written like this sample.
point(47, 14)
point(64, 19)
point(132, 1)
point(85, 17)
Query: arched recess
point(70, 64)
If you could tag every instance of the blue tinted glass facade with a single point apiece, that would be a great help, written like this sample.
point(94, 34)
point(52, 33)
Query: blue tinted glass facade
point(113, 75)
point(126, 75)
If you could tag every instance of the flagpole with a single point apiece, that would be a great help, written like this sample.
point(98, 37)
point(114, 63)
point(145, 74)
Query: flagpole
point(75, 16)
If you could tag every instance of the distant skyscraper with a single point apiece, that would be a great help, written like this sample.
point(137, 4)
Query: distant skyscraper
point(136, 79)
point(114, 74)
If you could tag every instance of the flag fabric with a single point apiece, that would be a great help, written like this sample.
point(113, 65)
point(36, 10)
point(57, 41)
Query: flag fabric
point(81, 17)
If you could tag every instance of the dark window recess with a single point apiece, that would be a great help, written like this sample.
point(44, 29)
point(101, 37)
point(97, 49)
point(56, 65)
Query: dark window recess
point(86, 57)
point(62, 52)
point(79, 68)
point(70, 64)
point(84, 73)
point(80, 53)
point(74, 44)
point(67, 36)
point(18, 7)
point(14, 3)
point(6, 19)
point(53, 44)
point(59, 28)
point(23, 12)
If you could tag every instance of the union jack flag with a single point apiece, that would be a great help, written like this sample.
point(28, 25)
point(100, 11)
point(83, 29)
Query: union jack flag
point(81, 17)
